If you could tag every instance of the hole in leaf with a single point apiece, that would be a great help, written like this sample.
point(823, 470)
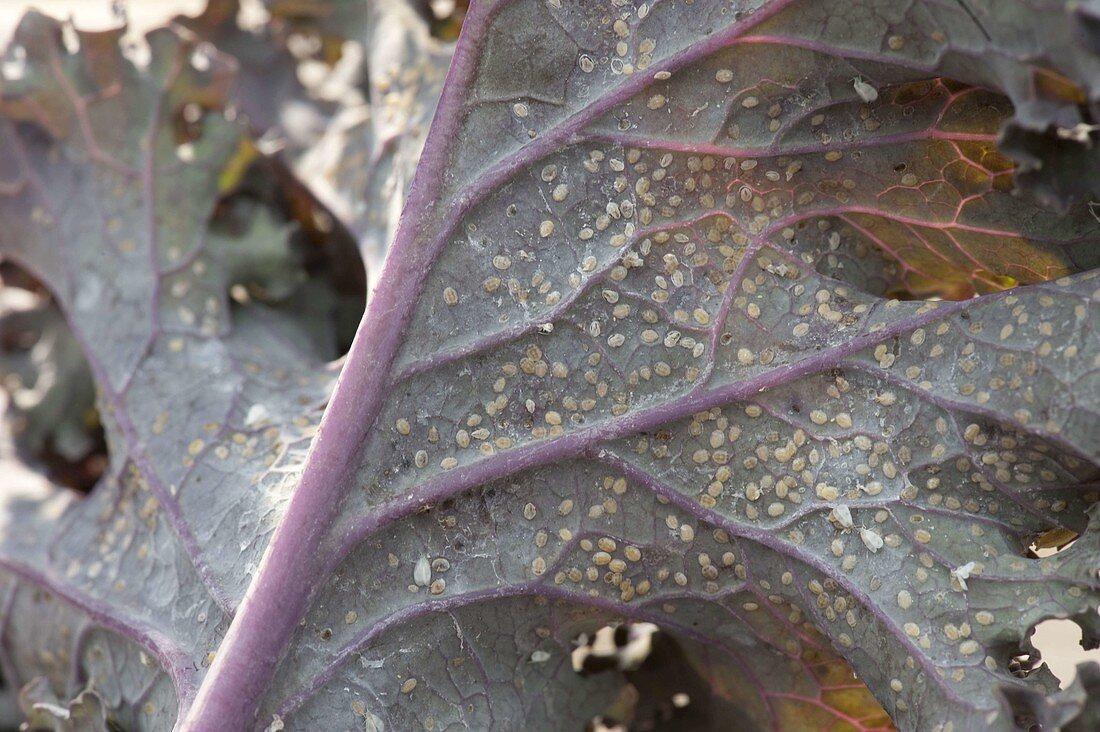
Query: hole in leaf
point(14, 64)
point(1022, 665)
point(1060, 642)
point(189, 123)
point(447, 17)
point(70, 39)
point(252, 15)
point(664, 690)
point(1051, 542)
point(49, 387)
point(305, 44)
point(285, 252)
point(624, 647)
point(201, 58)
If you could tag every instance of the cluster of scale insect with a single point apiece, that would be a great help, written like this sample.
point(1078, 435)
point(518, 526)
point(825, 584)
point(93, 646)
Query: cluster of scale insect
point(656, 187)
point(615, 550)
point(601, 549)
point(754, 193)
point(711, 250)
point(991, 358)
point(608, 558)
point(646, 314)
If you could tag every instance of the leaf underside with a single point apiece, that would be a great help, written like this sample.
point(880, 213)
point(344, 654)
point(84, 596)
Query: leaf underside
point(681, 324)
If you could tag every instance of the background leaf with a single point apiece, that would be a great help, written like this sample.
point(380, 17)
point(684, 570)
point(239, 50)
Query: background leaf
point(118, 214)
